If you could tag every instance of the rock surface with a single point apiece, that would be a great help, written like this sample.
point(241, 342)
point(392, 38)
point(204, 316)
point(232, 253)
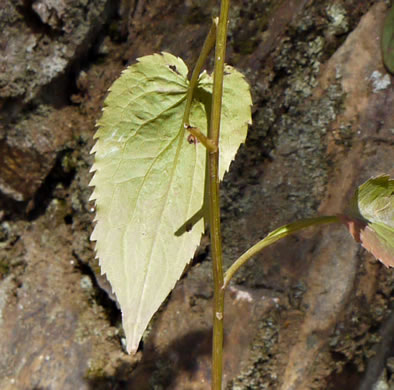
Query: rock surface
point(311, 312)
point(41, 42)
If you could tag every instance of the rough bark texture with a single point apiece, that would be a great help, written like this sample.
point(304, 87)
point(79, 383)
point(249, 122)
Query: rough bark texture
point(313, 312)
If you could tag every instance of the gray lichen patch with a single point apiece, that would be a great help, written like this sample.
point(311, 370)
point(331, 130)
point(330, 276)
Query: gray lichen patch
point(259, 373)
point(379, 81)
point(302, 149)
point(337, 15)
point(50, 43)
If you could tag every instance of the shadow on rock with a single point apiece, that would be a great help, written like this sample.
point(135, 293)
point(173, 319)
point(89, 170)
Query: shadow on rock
point(187, 357)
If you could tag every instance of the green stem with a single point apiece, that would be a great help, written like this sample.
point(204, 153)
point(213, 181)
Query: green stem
point(209, 43)
point(277, 234)
point(214, 206)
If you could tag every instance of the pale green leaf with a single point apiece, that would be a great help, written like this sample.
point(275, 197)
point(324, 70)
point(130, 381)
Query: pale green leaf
point(374, 201)
point(235, 113)
point(149, 180)
point(370, 217)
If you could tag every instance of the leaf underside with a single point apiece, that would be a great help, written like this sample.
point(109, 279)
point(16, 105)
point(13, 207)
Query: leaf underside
point(149, 180)
point(370, 218)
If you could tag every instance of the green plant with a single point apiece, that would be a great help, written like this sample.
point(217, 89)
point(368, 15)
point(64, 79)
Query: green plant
point(159, 157)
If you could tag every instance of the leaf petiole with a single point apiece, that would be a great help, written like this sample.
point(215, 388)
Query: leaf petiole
point(276, 235)
point(208, 143)
point(209, 44)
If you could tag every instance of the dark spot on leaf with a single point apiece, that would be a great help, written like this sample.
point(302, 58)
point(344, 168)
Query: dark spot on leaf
point(174, 69)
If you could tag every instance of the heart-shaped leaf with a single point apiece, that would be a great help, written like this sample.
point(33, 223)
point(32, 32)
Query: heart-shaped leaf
point(149, 179)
